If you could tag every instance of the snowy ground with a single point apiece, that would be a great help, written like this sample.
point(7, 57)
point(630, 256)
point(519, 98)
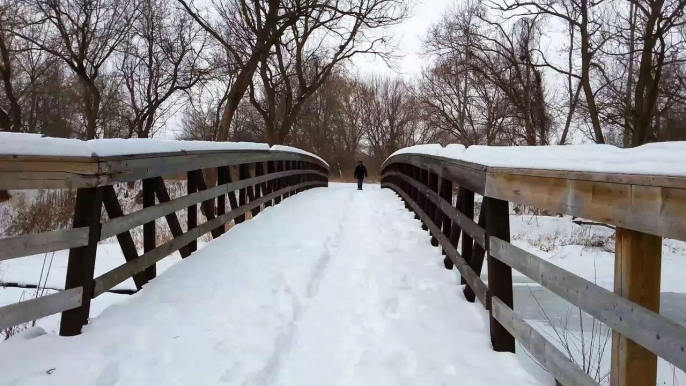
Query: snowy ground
point(380, 297)
point(350, 292)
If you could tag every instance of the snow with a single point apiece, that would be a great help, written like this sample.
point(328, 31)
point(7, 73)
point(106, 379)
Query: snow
point(665, 158)
point(26, 270)
point(296, 150)
point(350, 292)
point(588, 251)
point(37, 144)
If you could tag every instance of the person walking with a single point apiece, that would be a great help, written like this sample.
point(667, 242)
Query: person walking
point(360, 174)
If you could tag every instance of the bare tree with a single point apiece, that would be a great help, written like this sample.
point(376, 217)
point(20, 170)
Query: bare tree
point(309, 52)
point(162, 57)
point(10, 108)
point(586, 17)
point(389, 117)
point(245, 30)
point(83, 34)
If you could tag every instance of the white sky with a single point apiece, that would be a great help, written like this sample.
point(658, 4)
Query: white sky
point(408, 36)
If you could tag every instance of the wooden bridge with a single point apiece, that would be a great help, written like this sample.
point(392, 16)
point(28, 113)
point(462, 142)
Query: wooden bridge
point(643, 208)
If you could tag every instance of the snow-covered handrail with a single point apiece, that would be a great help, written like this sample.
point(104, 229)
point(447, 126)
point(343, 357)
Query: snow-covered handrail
point(32, 161)
point(642, 192)
point(654, 159)
point(262, 177)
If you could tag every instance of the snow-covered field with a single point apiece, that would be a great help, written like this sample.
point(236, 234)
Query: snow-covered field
point(350, 292)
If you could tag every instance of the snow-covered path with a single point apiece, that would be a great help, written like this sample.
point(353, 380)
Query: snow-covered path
point(331, 287)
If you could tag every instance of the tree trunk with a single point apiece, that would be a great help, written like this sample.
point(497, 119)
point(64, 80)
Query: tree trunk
point(92, 108)
point(585, 74)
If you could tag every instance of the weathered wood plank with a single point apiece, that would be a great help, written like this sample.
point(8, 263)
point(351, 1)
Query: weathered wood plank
point(465, 270)
point(110, 279)
point(476, 260)
point(131, 168)
point(652, 331)
point(466, 206)
point(653, 210)
point(221, 199)
point(552, 359)
point(138, 218)
point(618, 178)
point(192, 210)
point(29, 310)
point(638, 259)
point(207, 206)
point(172, 220)
point(89, 167)
point(471, 176)
point(26, 245)
point(46, 180)
point(149, 231)
point(499, 273)
point(81, 265)
point(128, 247)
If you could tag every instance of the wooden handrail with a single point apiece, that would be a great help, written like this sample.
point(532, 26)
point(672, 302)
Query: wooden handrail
point(642, 208)
point(118, 225)
point(93, 177)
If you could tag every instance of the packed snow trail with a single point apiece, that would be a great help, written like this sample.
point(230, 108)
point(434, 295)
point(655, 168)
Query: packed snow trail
point(331, 287)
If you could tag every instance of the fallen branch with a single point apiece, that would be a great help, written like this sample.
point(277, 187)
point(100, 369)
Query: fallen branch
point(33, 286)
point(579, 222)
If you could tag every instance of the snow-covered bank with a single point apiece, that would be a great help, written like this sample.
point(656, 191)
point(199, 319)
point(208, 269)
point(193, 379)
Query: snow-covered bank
point(664, 158)
point(350, 292)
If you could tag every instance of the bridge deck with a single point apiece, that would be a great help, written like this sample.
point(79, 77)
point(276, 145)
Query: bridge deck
point(334, 286)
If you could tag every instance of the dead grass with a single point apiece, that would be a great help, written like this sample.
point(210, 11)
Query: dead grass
point(50, 210)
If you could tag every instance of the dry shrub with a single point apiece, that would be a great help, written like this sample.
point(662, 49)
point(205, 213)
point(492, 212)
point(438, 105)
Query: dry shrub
point(49, 210)
point(580, 236)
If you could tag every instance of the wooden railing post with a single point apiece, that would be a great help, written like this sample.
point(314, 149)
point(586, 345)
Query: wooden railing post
point(192, 211)
point(278, 184)
point(424, 205)
point(407, 170)
point(476, 261)
point(149, 236)
point(243, 174)
point(499, 273)
point(446, 194)
point(288, 180)
point(222, 179)
point(433, 209)
point(257, 188)
point(81, 266)
point(455, 233)
point(416, 197)
point(172, 219)
point(638, 258)
point(466, 198)
point(271, 168)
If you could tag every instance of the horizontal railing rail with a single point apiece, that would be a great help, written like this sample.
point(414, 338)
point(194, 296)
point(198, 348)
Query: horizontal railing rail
point(643, 208)
point(250, 179)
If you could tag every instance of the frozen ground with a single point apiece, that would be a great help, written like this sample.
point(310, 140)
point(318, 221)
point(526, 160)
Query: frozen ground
point(350, 291)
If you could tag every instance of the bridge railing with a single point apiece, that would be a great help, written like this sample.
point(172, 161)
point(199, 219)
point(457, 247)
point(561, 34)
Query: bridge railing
point(262, 178)
point(643, 208)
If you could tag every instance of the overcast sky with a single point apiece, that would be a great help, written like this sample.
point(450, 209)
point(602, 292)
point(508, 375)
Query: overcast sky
point(409, 36)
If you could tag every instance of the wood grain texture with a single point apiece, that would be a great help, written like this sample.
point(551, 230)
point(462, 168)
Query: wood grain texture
point(653, 331)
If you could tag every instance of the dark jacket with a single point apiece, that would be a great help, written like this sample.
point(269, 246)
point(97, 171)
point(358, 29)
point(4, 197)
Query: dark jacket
point(360, 172)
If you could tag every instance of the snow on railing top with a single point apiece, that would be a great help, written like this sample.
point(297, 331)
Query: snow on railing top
point(664, 158)
point(39, 145)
